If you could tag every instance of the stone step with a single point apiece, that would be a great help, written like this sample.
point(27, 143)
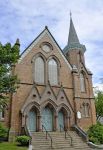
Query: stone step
point(61, 149)
point(40, 142)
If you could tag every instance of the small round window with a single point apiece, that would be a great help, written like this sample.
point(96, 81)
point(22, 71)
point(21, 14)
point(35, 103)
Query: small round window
point(46, 47)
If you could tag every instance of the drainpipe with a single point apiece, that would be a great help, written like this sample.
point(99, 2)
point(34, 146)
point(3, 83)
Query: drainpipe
point(74, 72)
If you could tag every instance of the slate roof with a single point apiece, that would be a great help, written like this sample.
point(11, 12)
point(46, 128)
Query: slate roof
point(73, 40)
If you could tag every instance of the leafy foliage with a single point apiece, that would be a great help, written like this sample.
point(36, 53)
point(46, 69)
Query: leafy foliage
point(3, 131)
point(8, 82)
point(95, 133)
point(23, 140)
point(99, 104)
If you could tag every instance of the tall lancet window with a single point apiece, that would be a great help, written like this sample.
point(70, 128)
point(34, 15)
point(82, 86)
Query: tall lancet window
point(85, 110)
point(39, 70)
point(82, 82)
point(53, 72)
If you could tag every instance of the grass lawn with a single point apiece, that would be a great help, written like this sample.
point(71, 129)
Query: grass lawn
point(11, 146)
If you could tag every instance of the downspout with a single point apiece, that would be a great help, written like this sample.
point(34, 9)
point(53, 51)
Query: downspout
point(73, 82)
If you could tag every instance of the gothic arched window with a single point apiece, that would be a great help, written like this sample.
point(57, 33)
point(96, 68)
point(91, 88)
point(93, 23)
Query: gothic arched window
point(85, 110)
point(82, 82)
point(39, 70)
point(53, 71)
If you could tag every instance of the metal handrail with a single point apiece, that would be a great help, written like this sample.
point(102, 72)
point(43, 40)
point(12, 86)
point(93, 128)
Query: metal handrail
point(81, 132)
point(48, 135)
point(28, 133)
point(66, 133)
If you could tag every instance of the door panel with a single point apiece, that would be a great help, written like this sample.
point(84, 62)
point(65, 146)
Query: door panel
point(60, 120)
point(32, 120)
point(47, 119)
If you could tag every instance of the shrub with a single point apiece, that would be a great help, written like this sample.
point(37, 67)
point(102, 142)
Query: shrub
point(95, 133)
point(3, 131)
point(23, 140)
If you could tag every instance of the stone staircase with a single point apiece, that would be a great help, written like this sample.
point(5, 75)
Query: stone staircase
point(39, 141)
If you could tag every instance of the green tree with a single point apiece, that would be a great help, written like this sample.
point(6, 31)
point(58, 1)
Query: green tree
point(95, 133)
point(99, 104)
point(8, 81)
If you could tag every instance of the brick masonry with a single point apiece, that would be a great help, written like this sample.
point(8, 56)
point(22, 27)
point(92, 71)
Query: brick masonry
point(68, 88)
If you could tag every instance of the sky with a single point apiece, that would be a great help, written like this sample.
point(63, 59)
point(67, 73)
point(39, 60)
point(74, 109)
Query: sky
point(25, 19)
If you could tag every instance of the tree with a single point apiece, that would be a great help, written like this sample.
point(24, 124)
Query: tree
point(8, 81)
point(99, 104)
point(95, 133)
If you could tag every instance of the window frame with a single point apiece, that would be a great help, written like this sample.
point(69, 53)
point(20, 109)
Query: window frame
point(46, 73)
point(85, 110)
point(82, 82)
point(58, 70)
point(33, 68)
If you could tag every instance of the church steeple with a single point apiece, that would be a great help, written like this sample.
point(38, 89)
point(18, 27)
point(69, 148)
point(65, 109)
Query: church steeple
point(73, 40)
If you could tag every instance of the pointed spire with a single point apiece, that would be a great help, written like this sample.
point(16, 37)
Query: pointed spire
point(73, 38)
point(73, 41)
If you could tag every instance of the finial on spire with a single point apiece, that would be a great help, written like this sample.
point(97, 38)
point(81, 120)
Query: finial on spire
point(46, 27)
point(70, 14)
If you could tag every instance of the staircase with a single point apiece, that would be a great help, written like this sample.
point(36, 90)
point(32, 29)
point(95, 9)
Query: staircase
point(59, 142)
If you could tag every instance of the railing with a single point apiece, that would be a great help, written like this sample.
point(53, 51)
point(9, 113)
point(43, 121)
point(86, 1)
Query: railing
point(80, 132)
point(28, 133)
point(47, 135)
point(66, 133)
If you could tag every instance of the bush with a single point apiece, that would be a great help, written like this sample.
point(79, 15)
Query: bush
point(95, 133)
point(23, 140)
point(3, 131)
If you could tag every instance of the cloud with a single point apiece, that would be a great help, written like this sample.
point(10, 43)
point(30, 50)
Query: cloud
point(26, 19)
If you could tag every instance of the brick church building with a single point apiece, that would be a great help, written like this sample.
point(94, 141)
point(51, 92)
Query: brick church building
point(55, 87)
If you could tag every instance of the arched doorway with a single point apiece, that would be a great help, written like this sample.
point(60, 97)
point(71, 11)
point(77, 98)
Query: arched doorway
point(61, 120)
point(48, 117)
point(32, 120)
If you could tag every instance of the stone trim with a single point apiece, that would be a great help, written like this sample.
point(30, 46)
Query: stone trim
point(92, 145)
point(84, 98)
point(56, 86)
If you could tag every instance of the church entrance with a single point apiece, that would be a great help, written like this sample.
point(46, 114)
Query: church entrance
point(60, 121)
point(32, 120)
point(47, 118)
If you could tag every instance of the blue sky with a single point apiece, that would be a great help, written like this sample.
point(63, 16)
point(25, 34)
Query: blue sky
point(25, 19)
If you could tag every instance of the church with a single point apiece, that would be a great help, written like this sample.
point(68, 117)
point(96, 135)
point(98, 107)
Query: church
point(55, 89)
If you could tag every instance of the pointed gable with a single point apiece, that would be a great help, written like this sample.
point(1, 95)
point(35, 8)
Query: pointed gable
point(33, 96)
point(63, 99)
point(41, 35)
point(48, 93)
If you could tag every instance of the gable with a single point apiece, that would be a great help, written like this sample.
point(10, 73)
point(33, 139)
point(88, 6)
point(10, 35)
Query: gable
point(41, 35)
point(48, 93)
point(63, 99)
point(33, 96)
point(47, 96)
